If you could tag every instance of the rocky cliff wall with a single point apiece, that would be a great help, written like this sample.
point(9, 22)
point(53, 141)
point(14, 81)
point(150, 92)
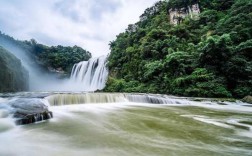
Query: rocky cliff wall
point(176, 15)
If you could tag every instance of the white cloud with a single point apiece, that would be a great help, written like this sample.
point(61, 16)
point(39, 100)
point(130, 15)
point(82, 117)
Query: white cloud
point(89, 24)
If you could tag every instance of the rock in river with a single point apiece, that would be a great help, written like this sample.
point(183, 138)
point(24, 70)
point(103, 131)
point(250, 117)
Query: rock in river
point(247, 99)
point(29, 110)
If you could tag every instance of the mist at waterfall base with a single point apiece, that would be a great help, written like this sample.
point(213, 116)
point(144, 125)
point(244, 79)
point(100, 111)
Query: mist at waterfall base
point(39, 80)
point(86, 76)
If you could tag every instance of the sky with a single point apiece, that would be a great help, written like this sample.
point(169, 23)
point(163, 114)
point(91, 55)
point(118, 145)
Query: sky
point(90, 24)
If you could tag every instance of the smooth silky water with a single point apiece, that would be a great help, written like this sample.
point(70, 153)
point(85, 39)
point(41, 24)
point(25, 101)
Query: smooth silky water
point(128, 128)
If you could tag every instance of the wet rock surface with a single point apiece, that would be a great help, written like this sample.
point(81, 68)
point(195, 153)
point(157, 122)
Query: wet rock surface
point(28, 111)
point(247, 99)
point(23, 119)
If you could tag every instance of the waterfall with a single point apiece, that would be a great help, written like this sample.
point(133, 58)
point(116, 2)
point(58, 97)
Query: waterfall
point(67, 99)
point(83, 98)
point(90, 75)
point(156, 99)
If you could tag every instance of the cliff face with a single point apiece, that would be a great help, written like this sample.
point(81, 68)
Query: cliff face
point(13, 76)
point(177, 15)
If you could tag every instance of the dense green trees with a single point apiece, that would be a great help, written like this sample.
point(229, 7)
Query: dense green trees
point(62, 57)
point(210, 56)
point(173, 4)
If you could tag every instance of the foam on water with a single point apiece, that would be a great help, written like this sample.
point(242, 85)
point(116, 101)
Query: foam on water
point(6, 123)
point(208, 120)
point(229, 106)
point(2, 100)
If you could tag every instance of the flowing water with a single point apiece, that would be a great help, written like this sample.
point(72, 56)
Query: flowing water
point(90, 75)
point(128, 124)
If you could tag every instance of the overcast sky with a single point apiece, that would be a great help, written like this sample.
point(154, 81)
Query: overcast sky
point(91, 24)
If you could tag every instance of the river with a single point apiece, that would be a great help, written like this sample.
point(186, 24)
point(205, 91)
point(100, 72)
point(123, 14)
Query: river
point(128, 128)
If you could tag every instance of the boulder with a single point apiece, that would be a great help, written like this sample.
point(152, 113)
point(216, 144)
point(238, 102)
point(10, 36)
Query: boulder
point(247, 99)
point(13, 76)
point(29, 110)
point(24, 119)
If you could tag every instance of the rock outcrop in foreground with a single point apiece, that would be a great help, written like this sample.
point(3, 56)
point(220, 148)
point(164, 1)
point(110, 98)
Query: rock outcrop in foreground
point(13, 76)
point(29, 110)
point(247, 99)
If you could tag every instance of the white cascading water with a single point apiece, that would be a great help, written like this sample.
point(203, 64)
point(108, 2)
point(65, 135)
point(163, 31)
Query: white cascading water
point(90, 75)
point(84, 98)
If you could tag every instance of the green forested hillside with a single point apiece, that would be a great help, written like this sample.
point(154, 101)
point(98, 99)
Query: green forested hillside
point(54, 56)
point(208, 56)
point(13, 76)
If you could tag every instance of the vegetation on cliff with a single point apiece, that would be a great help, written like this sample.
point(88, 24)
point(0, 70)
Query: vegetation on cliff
point(57, 57)
point(13, 76)
point(209, 56)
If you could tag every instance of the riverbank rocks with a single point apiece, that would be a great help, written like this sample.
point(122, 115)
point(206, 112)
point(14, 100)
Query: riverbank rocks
point(27, 111)
point(247, 99)
point(13, 76)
